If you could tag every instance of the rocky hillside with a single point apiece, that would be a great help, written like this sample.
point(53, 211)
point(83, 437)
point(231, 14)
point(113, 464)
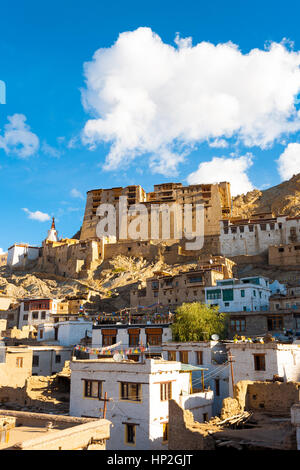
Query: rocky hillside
point(108, 289)
point(283, 199)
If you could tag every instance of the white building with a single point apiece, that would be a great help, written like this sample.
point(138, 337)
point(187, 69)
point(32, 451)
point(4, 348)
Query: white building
point(34, 312)
point(256, 361)
point(212, 356)
point(277, 288)
point(66, 333)
point(152, 336)
point(254, 236)
point(21, 254)
point(236, 295)
point(49, 360)
point(138, 394)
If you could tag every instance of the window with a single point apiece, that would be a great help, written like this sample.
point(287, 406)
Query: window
point(254, 293)
point(184, 357)
point(35, 315)
point(213, 294)
point(165, 432)
point(171, 355)
point(58, 359)
point(242, 293)
point(199, 357)
point(19, 362)
point(259, 362)
point(43, 315)
point(154, 336)
point(133, 357)
point(130, 433)
point(131, 391)
point(227, 295)
point(25, 316)
point(41, 334)
point(92, 389)
point(134, 337)
point(165, 391)
point(275, 322)
point(35, 361)
point(205, 417)
point(195, 279)
point(109, 337)
point(238, 324)
point(217, 387)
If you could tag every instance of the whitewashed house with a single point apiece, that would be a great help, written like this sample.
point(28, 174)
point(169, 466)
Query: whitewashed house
point(247, 294)
point(49, 360)
point(34, 312)
point(66, 333)
point(20, 255)
point(212, 356)
point(138, 396)
point(256, 361)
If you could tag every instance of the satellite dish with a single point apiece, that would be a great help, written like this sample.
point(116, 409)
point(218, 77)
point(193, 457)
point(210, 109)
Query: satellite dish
point(215, 337)
point(117, 357)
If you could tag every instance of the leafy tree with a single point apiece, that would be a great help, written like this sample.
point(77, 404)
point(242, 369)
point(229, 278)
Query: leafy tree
point(197, 322)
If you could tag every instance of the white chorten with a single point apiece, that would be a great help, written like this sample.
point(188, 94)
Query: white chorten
point(52, 233)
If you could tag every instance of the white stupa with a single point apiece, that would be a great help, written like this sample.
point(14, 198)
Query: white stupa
point(52, 233)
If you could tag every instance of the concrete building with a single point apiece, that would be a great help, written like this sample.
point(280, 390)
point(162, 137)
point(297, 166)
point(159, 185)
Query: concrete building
point(172, 290)
point(35, 311)
point(65, 333)
point(254, 236)
point(20, 255)
point(212, 356)
point(235, 295)
point(261, 362)
point(137, 398)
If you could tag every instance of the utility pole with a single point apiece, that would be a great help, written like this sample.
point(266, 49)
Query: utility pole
point(232, 376)
point(105, 399)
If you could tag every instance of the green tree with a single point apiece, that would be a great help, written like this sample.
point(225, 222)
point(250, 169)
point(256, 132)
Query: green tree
point(197, 322)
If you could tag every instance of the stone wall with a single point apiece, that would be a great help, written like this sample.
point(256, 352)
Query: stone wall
point(185, 433)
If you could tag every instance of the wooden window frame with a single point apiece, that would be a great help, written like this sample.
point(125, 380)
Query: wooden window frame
point(128, 394)
point(165, 391)
point(88, 391)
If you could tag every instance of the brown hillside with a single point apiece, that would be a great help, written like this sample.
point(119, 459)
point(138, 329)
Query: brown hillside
point(283, 199)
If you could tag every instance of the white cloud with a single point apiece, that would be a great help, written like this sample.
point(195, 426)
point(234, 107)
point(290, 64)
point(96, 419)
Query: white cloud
point(2, 251)
point(233, 170)
point(218, 143)
point(49, 150)
point(150, 98)
point(37, 215)
point(288, 164)
point(17, 138)
point(77, 194)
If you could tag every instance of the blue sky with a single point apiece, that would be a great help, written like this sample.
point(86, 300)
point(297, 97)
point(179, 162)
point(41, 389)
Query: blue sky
point(43, 48)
